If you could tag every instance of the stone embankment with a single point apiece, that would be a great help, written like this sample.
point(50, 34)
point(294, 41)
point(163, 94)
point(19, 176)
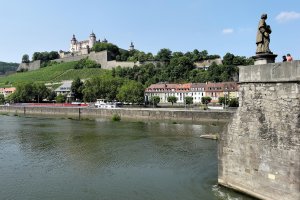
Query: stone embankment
point(130, 113)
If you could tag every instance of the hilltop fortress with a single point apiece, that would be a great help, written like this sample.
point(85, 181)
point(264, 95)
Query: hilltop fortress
point(82, 49)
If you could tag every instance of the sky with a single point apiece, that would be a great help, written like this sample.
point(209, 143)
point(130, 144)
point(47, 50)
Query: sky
point(218, 26)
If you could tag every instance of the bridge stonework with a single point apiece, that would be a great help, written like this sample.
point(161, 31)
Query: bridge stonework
point(259, 152)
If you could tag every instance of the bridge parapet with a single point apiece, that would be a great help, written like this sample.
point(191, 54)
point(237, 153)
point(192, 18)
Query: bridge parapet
point(259, 152)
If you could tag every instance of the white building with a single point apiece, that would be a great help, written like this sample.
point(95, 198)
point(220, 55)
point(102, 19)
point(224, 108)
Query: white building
point(195, 90)
point(65, 89)
point(84, 46)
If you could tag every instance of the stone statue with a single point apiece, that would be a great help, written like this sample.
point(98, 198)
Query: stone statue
point(263, 36)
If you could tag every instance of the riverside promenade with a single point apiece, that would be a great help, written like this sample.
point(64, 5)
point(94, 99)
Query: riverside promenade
point(165, 114)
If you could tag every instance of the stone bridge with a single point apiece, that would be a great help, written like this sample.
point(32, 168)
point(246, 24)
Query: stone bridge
point(259, 152)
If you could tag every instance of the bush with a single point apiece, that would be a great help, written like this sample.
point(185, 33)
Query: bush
point(86, 63)
point(116, 117)
point(60, 98)
point(234, 102)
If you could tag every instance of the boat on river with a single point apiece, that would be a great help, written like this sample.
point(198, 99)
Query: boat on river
point(101, 103)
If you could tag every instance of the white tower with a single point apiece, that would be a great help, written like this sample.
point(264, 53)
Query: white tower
point(73, 46)
point(92, 39)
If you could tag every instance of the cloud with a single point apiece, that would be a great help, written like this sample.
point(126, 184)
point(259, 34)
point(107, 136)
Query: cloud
point(227, 31)
point(287, 16)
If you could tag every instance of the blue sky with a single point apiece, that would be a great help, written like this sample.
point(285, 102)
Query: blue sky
point(218, 26)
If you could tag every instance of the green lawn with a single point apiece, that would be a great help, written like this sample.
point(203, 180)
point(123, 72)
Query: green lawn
point(54, 73)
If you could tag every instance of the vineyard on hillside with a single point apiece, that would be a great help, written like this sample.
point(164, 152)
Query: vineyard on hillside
point(53, 73)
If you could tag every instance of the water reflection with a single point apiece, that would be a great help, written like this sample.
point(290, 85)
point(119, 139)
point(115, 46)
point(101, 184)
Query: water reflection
point(69, 159)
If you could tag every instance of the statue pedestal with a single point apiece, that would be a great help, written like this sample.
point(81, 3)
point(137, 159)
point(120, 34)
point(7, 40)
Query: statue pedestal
point(264, 58)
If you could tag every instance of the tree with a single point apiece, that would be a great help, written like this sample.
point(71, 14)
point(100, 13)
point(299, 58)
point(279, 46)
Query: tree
point(188, 100)
point(172, 99)
point(24, 93)
point(77, 88)
point(60, 98)
point(40, 92)
point(113, 49)
point(164, 55)
point(51, 96)
point(131, 92)
point(205, 100)
point(222, 100)
point(25, 58)
point(154, 100)
point(86, 63)
point(234, 102)
point(2, 99)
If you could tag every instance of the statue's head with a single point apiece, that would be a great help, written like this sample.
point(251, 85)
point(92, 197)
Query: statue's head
point(264, 16)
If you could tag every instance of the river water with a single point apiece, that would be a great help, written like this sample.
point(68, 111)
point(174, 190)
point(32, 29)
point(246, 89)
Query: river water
point(48, 158)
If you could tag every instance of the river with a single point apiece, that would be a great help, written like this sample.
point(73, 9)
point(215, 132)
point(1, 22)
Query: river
point(52, 158)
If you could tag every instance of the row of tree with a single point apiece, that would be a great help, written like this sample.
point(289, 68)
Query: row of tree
point(29, 92)
point(44, 57)
point(108, 88)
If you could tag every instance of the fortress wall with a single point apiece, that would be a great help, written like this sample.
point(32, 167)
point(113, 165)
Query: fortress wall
point(30, 66)
point(259, 152)
point(113, 63)
point(100, 57)
point(71, 58)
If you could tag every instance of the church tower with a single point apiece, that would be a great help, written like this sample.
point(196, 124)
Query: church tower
point(92, 40)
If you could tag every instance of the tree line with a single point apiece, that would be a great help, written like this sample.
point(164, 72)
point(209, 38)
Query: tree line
point(178, 67)
point(7, 67)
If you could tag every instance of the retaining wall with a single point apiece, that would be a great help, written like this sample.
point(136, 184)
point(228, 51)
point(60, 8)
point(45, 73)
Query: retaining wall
point(138, 114)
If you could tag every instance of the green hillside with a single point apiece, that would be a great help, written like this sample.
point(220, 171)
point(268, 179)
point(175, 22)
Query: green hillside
point(54, 73)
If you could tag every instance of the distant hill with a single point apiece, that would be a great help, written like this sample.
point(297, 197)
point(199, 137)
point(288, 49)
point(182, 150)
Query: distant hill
point(7, 67)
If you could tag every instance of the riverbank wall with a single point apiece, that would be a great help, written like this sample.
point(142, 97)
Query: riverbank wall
point(259, 152)
point(129, 113)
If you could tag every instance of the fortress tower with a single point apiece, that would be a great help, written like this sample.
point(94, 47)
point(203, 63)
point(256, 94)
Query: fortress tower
point(131, 47)
point(92, 40)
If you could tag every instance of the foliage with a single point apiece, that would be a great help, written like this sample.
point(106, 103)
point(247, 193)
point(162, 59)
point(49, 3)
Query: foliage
point(116, 117)
point(29, 92)
point(172, 99)
point(86, 63)
point(113, 49)
point(205, 100)
point(131, 92)
point(105, 87)
point(77, 89)
point(154, 100)
point(188, 100)
point(178, 67)
point(40, 92)
point(2, 99)
point(222, 100)
point(52, 95)
point(45, 56)
point(164, 55)
point(25, 58)
point(234, 102)
point(60, 98)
